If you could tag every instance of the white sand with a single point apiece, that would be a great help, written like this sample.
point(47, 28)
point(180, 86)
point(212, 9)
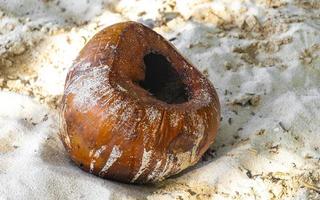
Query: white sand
point(263, 56)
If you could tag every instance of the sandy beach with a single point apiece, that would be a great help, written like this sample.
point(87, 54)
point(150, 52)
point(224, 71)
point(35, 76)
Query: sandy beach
point(263, 57)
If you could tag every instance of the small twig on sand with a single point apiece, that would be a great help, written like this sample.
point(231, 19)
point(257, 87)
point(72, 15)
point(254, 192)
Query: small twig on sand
point(311, 186)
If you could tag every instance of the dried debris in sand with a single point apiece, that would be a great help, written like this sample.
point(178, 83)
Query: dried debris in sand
point(246, 99)
point(176, 190)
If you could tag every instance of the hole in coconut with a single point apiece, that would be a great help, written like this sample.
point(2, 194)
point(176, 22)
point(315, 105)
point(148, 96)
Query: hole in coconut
point(162, 80)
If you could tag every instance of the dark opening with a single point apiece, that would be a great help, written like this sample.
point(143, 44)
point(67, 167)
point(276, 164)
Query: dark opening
point(162, 80)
